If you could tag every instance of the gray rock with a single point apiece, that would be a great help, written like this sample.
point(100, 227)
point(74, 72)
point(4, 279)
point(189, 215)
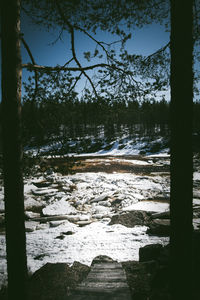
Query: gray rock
point(100, 198)
point(163, 215)
point(150, 252)
point(159, 227)
point(196, 194)
point(44, 191)
point(105, 203)
point(2, 219)
point(98, 216)
point(31, 215)
point(31, 204)
point(131, 219)
point(42, 183)
point(54, 280)
point(56, 223)
point(30, 226)
point(83, 223)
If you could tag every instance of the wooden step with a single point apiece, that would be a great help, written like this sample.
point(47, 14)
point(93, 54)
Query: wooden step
point(106, 280)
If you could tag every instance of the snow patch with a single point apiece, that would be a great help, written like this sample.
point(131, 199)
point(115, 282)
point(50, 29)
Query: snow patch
point(61, 207)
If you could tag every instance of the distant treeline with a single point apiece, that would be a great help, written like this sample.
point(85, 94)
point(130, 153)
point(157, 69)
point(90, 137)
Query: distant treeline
point(73, 118)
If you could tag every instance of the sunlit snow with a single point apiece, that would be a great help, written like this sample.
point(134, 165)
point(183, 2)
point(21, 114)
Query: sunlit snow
point(90, 198)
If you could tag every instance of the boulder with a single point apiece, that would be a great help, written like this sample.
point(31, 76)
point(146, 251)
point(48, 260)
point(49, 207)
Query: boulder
point(162, 215)
point(31, 204)
point(30, 226)
point(150, 252)
point(53, 281)
point(159, 227)
point(131, 219)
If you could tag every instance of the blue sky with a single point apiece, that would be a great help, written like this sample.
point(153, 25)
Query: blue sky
point(143, 41)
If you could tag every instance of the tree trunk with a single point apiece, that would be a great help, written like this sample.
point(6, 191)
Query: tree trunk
point(12, 150)
point(181, 148)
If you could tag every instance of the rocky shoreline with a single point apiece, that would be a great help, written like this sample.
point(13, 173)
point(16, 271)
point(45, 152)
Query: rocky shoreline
point(71, 219)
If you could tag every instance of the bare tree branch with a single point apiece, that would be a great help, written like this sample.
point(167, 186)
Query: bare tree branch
point(77, 79)
point(71, 29)
point(58, 38)
point(158, 51)
point(68, 62)
point(33, 62)
point(63, 68)
point(101, 44)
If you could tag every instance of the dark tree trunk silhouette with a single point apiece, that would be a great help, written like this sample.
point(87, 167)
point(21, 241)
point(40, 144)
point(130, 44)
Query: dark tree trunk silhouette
point(181, 148)
point(12, 150)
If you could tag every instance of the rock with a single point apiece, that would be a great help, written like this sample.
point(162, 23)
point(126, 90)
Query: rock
point(44, 191)
point(41, 184)
point(68, 232)
point(98, 216)
point(116, 202)
point(159, 227)
point(131, 219)
point(31, 215)
point(60, 237)
point(162, 215)
point(196, 223)
point(2, 219)
point(70, 218)
point(100, 198)
point(42, 226)
point(66, 188)
point(105, 203)
point(196, 212)
point(56, 223)
point(49, 171)
point(150, 252)
point(31, 204)
point(61, 207)
point(2, 206)
point(30, 226)
point(84, 218)
point(83, 223)
point(53, 281)
point(99, 209)
point(196, 194)
point(139, 277)
point(196, 202)
point(40, 256)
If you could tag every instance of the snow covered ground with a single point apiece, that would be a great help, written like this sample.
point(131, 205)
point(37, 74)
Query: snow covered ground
point(124, 145)
point(85, 204)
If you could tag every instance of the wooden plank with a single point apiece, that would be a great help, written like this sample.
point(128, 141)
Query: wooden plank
point(106, 280)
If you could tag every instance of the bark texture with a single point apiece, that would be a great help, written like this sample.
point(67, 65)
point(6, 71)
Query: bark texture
point(12, 149)
point(181, 148)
